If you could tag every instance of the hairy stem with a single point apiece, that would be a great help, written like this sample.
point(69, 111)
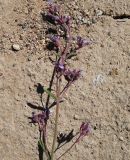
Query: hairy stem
point(56, 116)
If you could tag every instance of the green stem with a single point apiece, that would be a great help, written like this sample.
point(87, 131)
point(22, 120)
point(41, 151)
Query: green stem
point(56, 117)
point(46, 148)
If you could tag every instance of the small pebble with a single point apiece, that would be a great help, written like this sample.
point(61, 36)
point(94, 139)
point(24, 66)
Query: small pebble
point(76, 7)
point(16, 47)
point(99, 12)
point(76, 117)
point(89, 23)
point(85, 21)
point(94, 20)
point(85, 13)
point(80, 18)
point(73, 3)
point(29, 58)
point(73, 25)
point(121, 138)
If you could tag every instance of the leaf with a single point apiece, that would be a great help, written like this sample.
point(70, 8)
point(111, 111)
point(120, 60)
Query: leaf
point(43, 148)
point(69, 56)
point(50, 94)
point(57, 54)
point(40, 143)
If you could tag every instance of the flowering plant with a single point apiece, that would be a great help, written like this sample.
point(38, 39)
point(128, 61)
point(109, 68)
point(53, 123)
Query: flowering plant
point(64, 51)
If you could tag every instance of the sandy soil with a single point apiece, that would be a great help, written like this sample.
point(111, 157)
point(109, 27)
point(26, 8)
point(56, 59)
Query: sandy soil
point(101, 96)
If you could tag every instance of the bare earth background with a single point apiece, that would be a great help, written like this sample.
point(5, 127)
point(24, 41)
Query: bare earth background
point(101, 96)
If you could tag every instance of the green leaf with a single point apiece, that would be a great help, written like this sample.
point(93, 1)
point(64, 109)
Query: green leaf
point(46, 154)
point(50, 94)
point(40, 143)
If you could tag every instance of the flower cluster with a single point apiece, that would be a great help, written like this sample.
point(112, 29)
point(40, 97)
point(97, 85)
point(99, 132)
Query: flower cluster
point(84, 129)
point(82, 42)
point(60, 67)
point(54, 9)
point(73, 75)
point(55, 40)
point(40, 119)
point(64, 20)
point(54, 14)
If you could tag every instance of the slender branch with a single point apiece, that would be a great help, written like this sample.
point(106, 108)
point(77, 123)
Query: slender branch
point(61, 94)
point(56, 117)
point(65, 89)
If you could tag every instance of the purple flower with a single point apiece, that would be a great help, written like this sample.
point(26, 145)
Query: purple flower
point(52, 17)
point(82, 42)
point(56, 40)
point(84, 130)
point(61, 20)
point(40, 119)
point(71, 76)
point(64, 20)
point(54, 8)
point(60, 67)
point(68, 19)
point(50, 1)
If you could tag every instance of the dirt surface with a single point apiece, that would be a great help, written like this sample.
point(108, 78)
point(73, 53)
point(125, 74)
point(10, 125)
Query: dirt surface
point(101, 96)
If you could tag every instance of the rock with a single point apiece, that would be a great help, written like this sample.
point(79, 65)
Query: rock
point(89, 23)
point(85, 21)
point(86, 13)
point(80, 18)
point(121, 138)
point(16, 47)
point(99, 12)
point(76, 7)
point(73, 25)
point(29, 58)
point(76, 117)
point(73, 3)
point(94, 20)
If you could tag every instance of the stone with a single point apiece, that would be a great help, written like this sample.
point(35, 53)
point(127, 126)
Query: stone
point(121, 138)
point(80, 18)
point(94, 20)
point(76, 117)
point(84, 20)
point(16, 47)
point(99, 12)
